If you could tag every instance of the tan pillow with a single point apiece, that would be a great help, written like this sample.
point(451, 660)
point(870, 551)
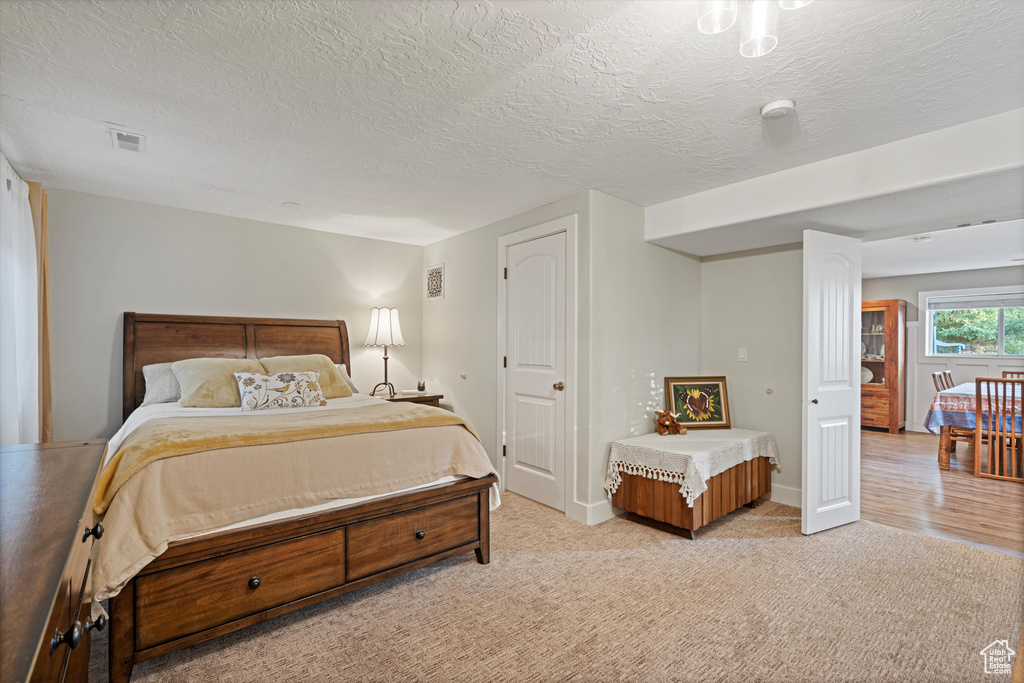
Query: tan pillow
point(210, 382)
point(331, 381)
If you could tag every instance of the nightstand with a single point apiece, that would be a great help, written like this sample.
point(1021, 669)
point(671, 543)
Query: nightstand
point(425, 399)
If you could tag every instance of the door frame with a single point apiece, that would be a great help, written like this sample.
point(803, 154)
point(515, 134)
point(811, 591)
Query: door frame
point(569, 225)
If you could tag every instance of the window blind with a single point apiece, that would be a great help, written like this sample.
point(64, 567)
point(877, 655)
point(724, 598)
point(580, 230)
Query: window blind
point(1000, 300)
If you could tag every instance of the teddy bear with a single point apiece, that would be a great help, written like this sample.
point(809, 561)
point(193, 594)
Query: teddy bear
point(665, 421)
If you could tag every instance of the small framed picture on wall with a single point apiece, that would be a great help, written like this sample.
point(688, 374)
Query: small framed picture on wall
point(435, 282)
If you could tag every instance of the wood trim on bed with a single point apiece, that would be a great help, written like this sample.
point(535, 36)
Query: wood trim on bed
point(156, 338)
point(128, 608)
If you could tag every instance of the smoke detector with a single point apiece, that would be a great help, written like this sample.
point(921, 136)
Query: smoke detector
point(129, 142)
point(776, 109)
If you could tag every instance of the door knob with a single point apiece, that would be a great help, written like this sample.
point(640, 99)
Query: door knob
point(814, 401)
point(558, 386)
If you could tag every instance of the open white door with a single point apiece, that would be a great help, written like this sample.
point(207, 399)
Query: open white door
point(831, 416)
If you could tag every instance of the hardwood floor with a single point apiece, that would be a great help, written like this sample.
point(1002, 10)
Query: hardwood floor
point(902, 486)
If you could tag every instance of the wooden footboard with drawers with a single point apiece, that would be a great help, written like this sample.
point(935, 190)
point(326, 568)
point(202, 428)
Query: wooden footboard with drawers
point(204, 588)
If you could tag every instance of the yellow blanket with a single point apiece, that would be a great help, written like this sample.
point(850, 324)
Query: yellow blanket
point(172, 437)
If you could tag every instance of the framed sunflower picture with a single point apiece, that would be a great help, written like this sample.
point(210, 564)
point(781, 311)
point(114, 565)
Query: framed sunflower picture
point(701, 402)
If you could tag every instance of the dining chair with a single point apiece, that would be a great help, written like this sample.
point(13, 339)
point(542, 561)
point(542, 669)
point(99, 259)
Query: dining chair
point(1013, 374)
point(998, 420)
point(944, 380)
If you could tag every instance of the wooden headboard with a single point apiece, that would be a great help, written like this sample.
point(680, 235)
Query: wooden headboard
point(153, 338)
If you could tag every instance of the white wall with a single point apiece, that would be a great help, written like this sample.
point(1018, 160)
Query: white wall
point(460, 332)
point(645, 326)
point(108, 256)
point(920, 388)
point(638, 320)
point(756, 301)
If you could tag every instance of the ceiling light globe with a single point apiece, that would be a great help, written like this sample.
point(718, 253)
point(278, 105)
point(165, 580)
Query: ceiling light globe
point(759, 28)
point(715, 16)
point(794, 4)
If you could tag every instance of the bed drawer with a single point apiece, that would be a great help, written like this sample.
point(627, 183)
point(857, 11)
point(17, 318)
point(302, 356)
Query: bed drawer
point(380, 544)
point(188, 599)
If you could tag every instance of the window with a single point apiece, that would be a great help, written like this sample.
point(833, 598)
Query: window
point(980, 324)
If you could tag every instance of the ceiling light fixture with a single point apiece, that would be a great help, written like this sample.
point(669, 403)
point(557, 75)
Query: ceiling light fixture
point(759, 21)
point(759, 28)
point(715, 16)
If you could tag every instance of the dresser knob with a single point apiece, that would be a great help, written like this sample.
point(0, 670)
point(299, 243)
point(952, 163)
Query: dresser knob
point(96, 531)
point(72, 637)
point(421, 534)
point(98, 625)
point(255, 582)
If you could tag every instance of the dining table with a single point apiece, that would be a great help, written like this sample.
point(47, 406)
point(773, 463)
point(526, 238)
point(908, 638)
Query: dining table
point(957, 407)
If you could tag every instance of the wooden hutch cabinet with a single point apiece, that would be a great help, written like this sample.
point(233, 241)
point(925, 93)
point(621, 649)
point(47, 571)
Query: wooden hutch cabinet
point(883, 363)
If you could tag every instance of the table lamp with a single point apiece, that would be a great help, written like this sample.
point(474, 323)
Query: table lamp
point(385, 331)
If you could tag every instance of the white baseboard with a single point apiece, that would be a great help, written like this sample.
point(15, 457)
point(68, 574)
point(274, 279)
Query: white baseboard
point(787, 495)
point(590, 514)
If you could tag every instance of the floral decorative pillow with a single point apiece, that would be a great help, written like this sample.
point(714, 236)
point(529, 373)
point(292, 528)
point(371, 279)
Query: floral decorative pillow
point(280, 390)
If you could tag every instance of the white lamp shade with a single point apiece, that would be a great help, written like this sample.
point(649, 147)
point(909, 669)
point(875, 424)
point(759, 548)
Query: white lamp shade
point(385, 330)
point(794, 4)
point(715, 16)
point(759, 28)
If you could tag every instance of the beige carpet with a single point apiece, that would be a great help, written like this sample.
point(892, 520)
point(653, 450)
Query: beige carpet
point(749, 600)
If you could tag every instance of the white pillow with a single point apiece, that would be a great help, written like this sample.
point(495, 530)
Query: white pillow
point(161, 384)
point(348, 380)
point(283, 390)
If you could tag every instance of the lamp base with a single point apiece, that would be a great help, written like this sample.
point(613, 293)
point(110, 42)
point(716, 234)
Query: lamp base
point(388, 386)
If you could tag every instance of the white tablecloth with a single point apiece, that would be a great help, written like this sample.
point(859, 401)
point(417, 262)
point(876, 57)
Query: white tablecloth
point(690, 459)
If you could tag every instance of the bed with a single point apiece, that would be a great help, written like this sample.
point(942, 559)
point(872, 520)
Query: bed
point(203, 585)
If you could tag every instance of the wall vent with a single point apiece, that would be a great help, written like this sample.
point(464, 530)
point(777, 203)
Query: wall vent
point(129, 142)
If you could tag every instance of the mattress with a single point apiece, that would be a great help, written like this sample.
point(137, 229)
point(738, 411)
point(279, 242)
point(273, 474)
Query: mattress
point(314, 509)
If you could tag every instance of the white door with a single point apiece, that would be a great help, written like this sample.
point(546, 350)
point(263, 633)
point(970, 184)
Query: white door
point(831, 418)
point(535, 370)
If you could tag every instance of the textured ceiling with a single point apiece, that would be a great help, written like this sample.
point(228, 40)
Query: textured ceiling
point(980, 246)
point(412, 121)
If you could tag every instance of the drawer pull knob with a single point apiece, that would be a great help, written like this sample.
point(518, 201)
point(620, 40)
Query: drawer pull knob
point(72, 637)
point(96, 531)
point(255, 582)
point(98, 625)
point(421, 534)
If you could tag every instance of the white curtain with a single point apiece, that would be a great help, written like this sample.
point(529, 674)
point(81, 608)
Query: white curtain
point(19, 313)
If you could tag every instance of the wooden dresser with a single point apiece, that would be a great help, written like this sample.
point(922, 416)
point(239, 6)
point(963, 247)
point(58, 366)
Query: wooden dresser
point(883, 358)
point(45, 506)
